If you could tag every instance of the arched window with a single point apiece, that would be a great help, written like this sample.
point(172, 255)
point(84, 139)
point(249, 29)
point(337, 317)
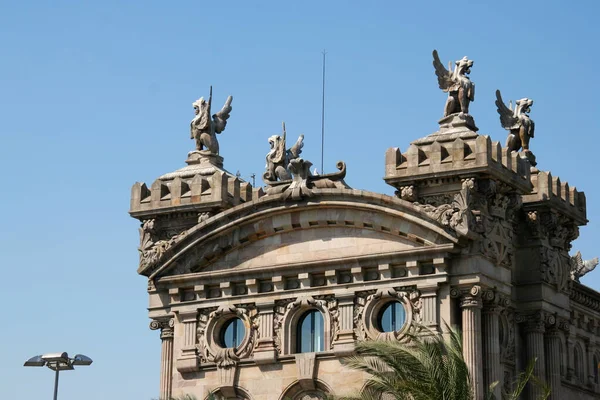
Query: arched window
point(392, 317)
point(310, 332)
point(233, 333)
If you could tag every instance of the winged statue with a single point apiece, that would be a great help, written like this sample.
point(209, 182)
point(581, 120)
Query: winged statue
point(279, 158)
point(517, 122)
point(204, 128)
point(580, 267)
point(455, 82)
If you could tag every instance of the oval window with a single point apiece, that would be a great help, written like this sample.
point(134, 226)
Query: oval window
point(233, 333)
point(392, 317)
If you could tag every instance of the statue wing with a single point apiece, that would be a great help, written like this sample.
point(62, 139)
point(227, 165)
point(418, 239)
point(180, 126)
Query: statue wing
point(576, 262)
point(444, 76)
point(220, 118)
point(507, 118)
point(588, 266)
point(296, 149)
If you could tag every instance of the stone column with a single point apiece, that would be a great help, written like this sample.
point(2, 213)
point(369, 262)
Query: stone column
point(166, 355)
point(491, 348)
point(534, 342)
point(265, 351)
point(344, 345)
point(553, 362)
point(471, 330)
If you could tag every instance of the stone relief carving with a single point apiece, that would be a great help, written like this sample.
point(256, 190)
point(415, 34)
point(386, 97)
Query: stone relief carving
point(455, 82)
point(483, 210)
point(456, 215)
point(368, 304)
point(580, 267)
point(517, 122)
point(210, 322)
point(555, 267)
point(204, 128)
point(278, 158)
point(507, 336)
point(327, 304)
point(151, 247)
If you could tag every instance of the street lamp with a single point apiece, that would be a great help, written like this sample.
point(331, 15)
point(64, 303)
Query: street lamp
point(57, 362)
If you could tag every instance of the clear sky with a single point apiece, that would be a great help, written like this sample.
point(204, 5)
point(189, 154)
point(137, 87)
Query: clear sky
point(95, 96)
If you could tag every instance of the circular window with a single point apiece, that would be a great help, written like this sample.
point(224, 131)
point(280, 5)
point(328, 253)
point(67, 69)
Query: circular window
point(392, 317)
point(233, 333)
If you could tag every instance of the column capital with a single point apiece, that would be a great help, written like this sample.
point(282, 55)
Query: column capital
point(165, 325)
point(469, 297)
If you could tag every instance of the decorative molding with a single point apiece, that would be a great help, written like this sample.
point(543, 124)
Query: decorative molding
point(288, 312)
point(210, 323)
point(368, 305)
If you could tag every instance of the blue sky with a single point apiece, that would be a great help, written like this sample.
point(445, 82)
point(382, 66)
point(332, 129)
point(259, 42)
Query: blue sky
point(95, 96)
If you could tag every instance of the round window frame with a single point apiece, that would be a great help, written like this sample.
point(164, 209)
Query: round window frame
point(374, 306)
point(215, 324)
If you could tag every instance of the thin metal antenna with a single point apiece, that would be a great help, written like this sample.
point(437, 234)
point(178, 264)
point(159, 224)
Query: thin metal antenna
point(323, 115)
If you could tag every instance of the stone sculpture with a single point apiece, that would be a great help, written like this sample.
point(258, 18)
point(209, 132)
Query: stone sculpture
point(203, 128)
point(460, 89)
point(580, 267)
point(278, 158)
point(517, 122)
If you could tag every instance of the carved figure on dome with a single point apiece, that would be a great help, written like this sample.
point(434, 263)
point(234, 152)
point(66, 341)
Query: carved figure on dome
point(279, 158)
point(204, 128)
point(580, 267)
point(455, 82)
point(517, 122)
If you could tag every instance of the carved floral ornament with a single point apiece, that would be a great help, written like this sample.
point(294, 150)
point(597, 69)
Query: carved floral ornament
point(210, 324)
point(368, 306)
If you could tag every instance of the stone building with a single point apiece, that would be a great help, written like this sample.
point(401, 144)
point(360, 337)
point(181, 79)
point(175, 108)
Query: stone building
point(258, 293)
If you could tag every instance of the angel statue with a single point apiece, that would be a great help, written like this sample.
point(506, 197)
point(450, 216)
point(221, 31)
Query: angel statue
point(278, 158)
point(517, 122)
point(203, 128)
point(460, 89)
point(579, 267)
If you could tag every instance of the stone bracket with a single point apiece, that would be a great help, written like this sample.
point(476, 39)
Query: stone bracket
point(305, 364)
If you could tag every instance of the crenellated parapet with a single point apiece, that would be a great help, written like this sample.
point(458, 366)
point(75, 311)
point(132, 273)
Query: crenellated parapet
point(445, 156)
point(197, 191)
point(553, 193)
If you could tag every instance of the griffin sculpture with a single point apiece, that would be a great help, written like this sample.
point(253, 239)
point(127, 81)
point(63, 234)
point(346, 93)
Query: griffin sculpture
point(460, 89)
point(203, 128)
point(580, 267)
point(279, 158)
point(517, 122)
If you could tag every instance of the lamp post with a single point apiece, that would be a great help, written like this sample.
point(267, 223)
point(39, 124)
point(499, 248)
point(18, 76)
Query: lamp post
point(57, 362)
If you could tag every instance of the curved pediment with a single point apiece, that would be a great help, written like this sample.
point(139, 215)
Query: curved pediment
point(333, 225)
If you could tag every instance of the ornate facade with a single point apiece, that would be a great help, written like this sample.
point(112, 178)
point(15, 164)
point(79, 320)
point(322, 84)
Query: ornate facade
point(260, 292)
